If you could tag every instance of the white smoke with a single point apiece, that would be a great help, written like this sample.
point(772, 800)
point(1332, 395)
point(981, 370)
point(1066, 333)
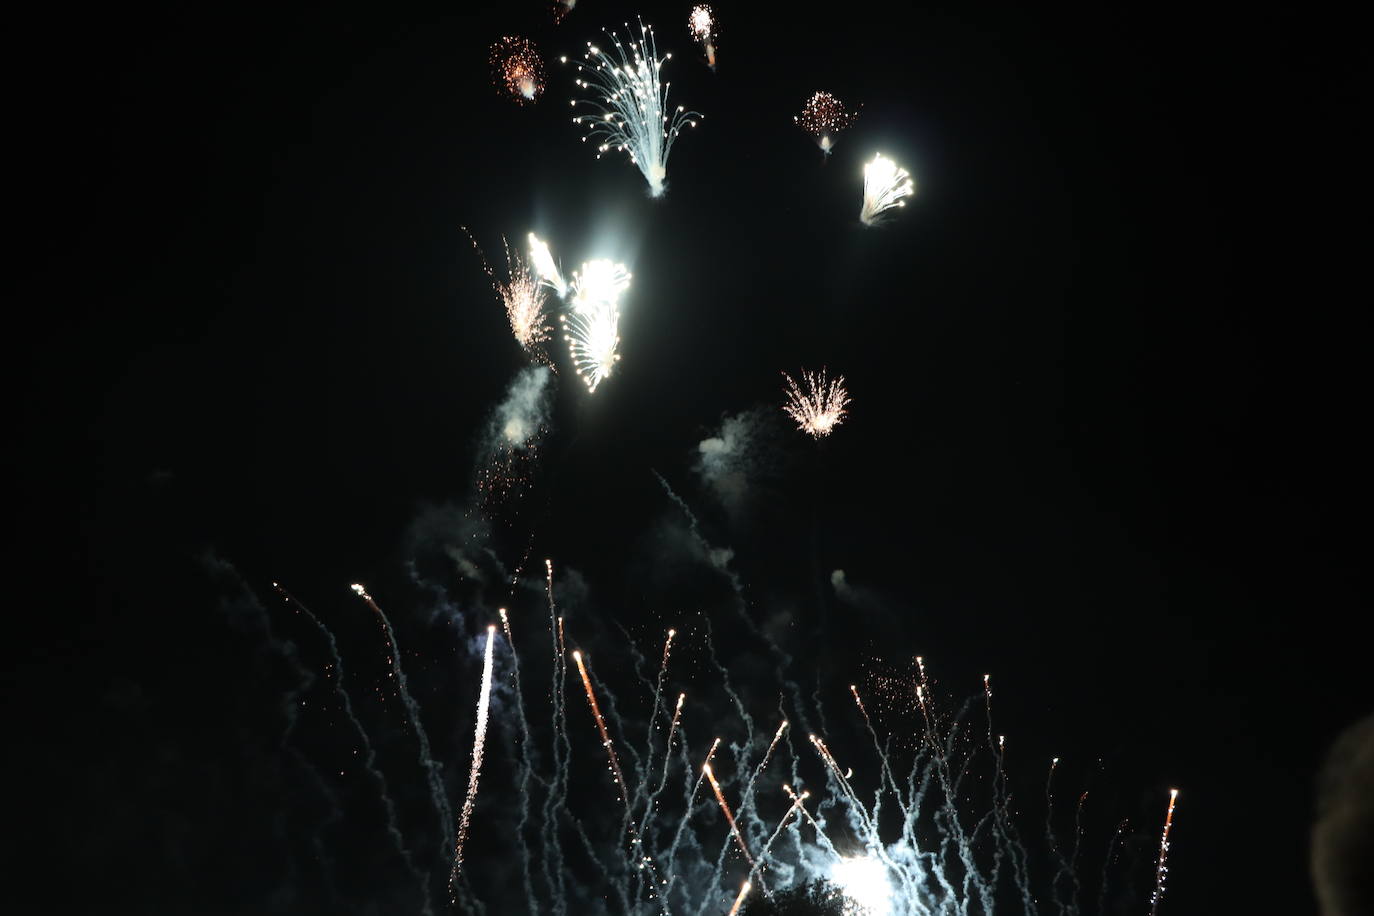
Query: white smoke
point(524, 414)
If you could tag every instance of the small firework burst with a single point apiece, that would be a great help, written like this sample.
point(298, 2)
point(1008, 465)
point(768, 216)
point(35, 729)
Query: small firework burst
point(517, 69)
point(629, 104)
point(524, 298)
point(599, 282)
point(817, 404)
point(886, 185)
point(702, 24)
point(824, 117)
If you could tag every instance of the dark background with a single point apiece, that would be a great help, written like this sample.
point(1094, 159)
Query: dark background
point(1109, 395)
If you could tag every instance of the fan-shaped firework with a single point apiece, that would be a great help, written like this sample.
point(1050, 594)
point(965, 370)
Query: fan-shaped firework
point(817, 404)
point(544, 266)
point(517, 68)
point(702, 24)
point(593, 337)
point(599, 282)
point(824, 117)
point(886, 185)
point(629, 105)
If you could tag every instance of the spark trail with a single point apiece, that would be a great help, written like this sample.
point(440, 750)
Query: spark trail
point(412, 709)
point(479, 741)
point(1162, 867)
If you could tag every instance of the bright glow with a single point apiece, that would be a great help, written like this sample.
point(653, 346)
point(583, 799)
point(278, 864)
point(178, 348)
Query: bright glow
point(599, 283)
point(629, 105)
point(517, 69)
point(479, 741)
point(545, 267)
point(865, 884)
point(824, 117)
point(886, 185)
point(817, 404)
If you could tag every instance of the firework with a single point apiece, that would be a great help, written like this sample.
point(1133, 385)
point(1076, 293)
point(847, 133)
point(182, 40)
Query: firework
point(824, 117)
point(1162, 867)
point(516, 68)
point(479, 741)
point(743, 892)
point(886, 185)
point(593, 337)
point(524, 298)
point(629, 105)
point(729, 815)
point(817, 404)
point(561, 8)
point(599, 283)
point(702, 24)
point(544, 266)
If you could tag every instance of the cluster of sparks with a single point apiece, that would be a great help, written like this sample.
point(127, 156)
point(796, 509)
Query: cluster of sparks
point(702, 24)
point(817, 404)
point(824, 117)
point(592, 325)
point(629, 108)
point(517, 69)
point(886, 185)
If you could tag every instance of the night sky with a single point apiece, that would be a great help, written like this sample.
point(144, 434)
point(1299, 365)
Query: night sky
point(1106, 439)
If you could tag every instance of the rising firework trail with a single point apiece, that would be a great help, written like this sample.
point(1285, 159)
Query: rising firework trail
point(479, 741)
point(824, 117)
point(545, 267)
point(817, 404)
point(729, 816)
point(743, 892)
point(628, 104)
point(886, 186)
point(412, 709)
point(1162, 866)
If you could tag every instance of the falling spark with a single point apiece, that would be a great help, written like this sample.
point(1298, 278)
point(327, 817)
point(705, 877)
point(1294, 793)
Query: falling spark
point(479, 741)
point(1162, 868)
point(517, 70)
point(592, 341)
point(599, 284)
point(629, 105)
point(702, 24)
point(824, 117)
point(544, 266)
point(743, 892)
point(817, 404)
point(886, 185)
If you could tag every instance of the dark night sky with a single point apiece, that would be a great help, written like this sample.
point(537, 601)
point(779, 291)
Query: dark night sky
point(1109, 392)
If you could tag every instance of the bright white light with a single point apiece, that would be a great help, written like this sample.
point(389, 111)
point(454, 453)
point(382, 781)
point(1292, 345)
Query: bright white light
point(886, 185)
point(863, 881)
point(599, 283)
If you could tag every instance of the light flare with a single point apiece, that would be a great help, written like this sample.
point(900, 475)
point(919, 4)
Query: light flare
point(886, 186)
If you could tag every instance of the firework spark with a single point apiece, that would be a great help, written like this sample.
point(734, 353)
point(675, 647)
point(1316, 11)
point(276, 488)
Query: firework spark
point(824, 117)
point(629, 105)
point(600, 283)
point(516, 68)
point(743, 892)
point(818, 404)
point(544, 266)
point(886, 185)
point(524, 298)
point(702, 24)
point(729, 815)
point(479, 741)
point(1162, 868)
point(593, 337)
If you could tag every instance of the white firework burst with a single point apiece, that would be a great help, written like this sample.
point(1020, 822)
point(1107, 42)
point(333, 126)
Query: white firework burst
point(817, 404)
point(702, 24)
point(524, 298)
point(886, 185)
point(544, 266)
point(593, 337)
point(599, 282)
point(629, 104)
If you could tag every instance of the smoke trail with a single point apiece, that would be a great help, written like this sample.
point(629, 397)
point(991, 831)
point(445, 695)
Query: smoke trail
point(369, 755)
point(526, 768)
point(562, 750)
point(479, 740)
point(427, 762)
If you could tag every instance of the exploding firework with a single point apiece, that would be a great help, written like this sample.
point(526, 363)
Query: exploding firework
point(524, 298)
point(517, 69)
point(702, 24)
point(817, 404)
point(824, 117)
point(593, 337)
point(561, 8)
point(629, 105)
point(886, 185)
point(598, 284)
point(544, 266)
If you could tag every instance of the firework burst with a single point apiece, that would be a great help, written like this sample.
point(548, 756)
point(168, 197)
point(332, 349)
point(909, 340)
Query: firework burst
point(593, 337)
point(817, 404)
point(824, 117)
point(517, 69)
point(524, 298)
point(702, 24)
point(599, 283)
point(886, 185)
point(629, 105)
